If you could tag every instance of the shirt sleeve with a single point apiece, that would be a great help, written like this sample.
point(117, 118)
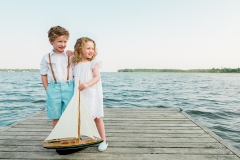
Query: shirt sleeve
point(44, 66)
point(94, 62)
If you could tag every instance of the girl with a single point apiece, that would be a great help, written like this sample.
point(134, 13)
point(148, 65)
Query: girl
point(86, 71)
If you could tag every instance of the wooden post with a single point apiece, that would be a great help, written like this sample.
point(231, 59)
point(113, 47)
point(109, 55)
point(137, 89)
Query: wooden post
point(79, 120)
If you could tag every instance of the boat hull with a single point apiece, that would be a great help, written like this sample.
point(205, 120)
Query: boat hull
point(71, 144)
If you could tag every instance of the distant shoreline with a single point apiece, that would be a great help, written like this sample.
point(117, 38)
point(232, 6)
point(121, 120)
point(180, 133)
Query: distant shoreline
point(213, 70)
point(19, 70)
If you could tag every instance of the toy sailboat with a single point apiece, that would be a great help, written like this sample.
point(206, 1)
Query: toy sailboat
point(76, 120)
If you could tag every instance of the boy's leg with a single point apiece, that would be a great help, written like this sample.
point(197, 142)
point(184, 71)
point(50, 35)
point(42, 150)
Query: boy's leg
point(53, 102)
point(67, 91)
point(54, 122)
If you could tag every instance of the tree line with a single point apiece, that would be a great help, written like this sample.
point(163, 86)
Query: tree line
point(19, 70)
point(213, 70)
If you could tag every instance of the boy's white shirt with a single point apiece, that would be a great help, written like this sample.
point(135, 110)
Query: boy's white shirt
point(59, 65)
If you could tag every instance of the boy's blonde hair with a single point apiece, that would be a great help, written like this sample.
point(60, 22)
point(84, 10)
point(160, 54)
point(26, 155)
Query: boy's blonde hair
point(57, 31)
point(79, 49)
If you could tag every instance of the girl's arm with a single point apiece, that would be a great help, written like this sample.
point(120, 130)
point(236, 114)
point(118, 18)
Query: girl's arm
point(96, 78)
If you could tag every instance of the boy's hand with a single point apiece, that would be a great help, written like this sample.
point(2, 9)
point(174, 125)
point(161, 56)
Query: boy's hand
point(82, 86)
point(69, 53)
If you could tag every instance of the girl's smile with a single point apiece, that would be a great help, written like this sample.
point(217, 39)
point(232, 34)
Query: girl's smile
point(88, 51)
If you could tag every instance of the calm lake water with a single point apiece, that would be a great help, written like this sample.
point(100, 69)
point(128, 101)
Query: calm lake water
point(212, 99)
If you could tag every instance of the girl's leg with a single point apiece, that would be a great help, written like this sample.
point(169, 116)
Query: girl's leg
point(101, 128)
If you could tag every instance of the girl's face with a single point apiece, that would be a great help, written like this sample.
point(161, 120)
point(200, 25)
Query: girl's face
point(88, 51)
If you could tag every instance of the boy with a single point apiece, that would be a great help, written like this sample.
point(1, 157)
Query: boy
point(56, 73)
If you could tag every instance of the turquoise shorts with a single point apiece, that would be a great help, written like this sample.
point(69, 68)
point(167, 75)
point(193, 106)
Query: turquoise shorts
point(58, 96)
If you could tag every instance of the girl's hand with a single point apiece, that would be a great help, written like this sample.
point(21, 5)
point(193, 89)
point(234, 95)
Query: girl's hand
point(82, 86)
point(69, 53)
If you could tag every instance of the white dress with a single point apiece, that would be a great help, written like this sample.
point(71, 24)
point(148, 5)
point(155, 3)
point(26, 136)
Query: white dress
point(93, 95)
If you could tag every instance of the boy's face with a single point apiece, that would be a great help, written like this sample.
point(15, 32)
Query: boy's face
point(88, 50)
point(59, 44)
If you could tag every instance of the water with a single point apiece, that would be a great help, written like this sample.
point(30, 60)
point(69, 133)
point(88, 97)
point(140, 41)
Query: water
point(212, 99)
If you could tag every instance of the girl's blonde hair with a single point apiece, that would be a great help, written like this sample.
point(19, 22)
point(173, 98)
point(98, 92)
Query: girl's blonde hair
point(79, 49)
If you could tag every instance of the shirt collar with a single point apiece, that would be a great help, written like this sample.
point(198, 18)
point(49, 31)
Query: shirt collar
point(52, 52)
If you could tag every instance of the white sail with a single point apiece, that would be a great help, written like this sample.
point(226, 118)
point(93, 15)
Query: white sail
point(67, 126)
point(88, 126)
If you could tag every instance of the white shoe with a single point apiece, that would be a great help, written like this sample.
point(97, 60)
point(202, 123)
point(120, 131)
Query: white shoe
point(102, 146)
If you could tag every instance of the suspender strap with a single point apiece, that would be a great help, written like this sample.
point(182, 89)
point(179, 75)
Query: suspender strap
point(68, 68)
point(50, 63)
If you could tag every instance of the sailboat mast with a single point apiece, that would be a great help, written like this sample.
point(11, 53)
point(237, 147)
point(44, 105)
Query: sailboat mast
point(79, 122)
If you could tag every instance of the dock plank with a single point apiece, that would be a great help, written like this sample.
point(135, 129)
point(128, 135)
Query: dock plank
point(107, 156)
point(133, 133)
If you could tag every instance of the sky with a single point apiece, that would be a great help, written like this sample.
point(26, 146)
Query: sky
point(159, 34)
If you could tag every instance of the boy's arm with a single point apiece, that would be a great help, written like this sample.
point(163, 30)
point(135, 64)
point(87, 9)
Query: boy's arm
point(96, 78)
point(69, 53)
point(44, 81)
point(44, 71)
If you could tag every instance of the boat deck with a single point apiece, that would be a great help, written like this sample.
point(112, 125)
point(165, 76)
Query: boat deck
point(132, 133)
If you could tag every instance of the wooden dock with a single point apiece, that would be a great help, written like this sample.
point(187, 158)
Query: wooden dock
point(132, 133)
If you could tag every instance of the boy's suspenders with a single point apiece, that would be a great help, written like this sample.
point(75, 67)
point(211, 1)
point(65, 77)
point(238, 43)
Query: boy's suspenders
point(68, 68)
point(50, 63)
